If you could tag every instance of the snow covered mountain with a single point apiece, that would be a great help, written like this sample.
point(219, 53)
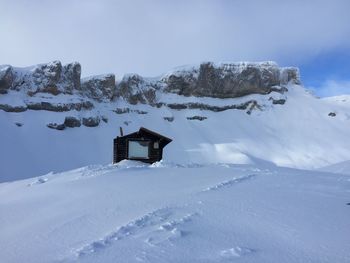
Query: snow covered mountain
point(227, 189)
point(232, 113)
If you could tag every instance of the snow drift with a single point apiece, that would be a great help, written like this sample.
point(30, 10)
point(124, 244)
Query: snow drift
point(167, 212)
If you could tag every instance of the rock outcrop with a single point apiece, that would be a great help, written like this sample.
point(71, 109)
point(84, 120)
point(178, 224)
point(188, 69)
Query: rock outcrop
point(277, 101)
point(100, 88)
point(290, 74)
point(169, 119)
point(226, 80)
point(199, 118)
point(6, 78)
point(10, 108)
point(127, 110)
point(202, 106)
point(50, 78)
point(60, 107)
point(72, 122)
point(135, 89)
point(70, 77)
point(56, 126)
point(229, 80)
point(48, 106)
point(91, 121)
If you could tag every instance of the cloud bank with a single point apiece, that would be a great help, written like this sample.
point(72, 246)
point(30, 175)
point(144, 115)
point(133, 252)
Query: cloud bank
point(150, 37)
point(332, 88)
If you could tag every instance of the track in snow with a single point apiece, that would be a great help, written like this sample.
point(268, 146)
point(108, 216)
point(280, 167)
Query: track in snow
point(162, 226)
point(229, 182)
point(155, 228)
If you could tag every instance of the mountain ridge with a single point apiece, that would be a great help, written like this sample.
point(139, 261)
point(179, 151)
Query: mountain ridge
point(285, 125)
point(221, 80)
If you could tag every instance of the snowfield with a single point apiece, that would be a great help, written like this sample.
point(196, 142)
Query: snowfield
point(166, 212)
point(298, 134)
point(269, 186)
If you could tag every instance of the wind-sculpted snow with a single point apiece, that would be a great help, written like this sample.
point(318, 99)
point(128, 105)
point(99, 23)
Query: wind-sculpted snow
point(170, 212)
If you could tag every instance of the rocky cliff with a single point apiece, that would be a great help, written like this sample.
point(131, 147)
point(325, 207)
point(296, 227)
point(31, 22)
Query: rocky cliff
point(230, 80)
point(53, 78)
point(225, 80)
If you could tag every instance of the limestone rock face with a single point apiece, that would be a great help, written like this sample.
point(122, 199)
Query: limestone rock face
point(100, 88)
point(224, 80)
point(39, 78)
point(46, 77)
point(10, 108)
point(229, 80)
point(59, 107)
point(72, 122)
point(50, 78)
point(91, 121)
point(290, 74)
point(70, 77)
point(6, 78)
point(135, 89)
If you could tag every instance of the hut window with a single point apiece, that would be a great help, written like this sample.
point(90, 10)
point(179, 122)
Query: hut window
point(156, 145)
point(138, 149)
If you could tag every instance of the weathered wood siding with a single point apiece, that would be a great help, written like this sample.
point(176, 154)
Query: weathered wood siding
point(120, 147)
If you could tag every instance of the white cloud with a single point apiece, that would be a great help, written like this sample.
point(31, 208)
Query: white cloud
point(332, 88)
point(150, 37)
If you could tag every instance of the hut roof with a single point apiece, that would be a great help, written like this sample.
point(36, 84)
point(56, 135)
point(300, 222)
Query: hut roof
point(165, 139)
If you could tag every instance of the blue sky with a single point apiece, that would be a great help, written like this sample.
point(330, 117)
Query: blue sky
point(328, 73)
point(151, 37)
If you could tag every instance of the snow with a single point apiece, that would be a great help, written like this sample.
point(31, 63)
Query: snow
point(97, 77)
point(226, 65)
point(298, 134)
point(341, 168)
point(134, 212)
point(13, 99)
point(337, 99)
point(272, 186)
point(174, 98)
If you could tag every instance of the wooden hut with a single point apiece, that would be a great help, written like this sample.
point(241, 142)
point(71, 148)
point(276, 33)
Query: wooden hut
point(144, 145)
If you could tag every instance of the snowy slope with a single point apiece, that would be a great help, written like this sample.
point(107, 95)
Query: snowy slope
point(166, 212)
point(227, 190)
point(297, 134)
point(341, 168)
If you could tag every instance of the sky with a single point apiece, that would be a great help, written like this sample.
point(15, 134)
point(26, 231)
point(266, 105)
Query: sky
point(152, 37)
